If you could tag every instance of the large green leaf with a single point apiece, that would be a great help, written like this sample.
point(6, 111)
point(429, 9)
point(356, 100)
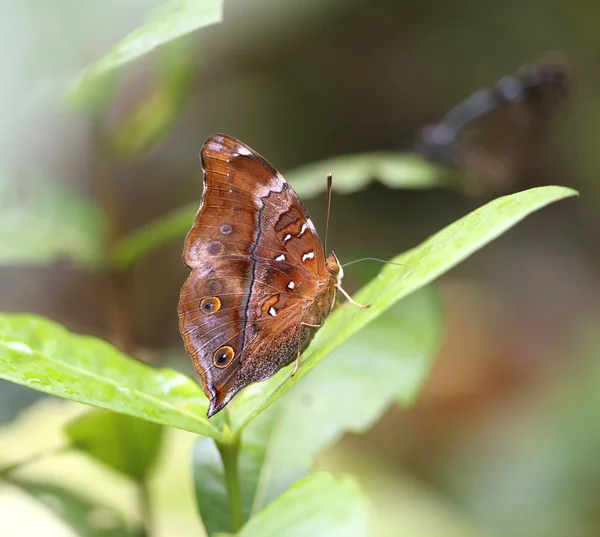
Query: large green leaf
point(318, 505)
point(423, 264)
point(172, 20)
point(50, 223)
point(43, 355)
point(387, 360)
point(351, 172)
point(85, 517)
point(126, 444)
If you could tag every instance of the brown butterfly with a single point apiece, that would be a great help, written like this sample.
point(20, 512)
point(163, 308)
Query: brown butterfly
point(260, 285)
point(496, 134)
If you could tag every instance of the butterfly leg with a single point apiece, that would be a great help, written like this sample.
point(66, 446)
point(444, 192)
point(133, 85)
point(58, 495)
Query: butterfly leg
point(297, 363)
point(350, 299)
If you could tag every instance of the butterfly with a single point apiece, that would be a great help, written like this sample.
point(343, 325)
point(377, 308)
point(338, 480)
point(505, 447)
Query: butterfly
point(496, 134)
point(260, 285)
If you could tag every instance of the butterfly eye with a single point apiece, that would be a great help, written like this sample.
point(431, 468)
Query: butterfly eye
point(210, 305)
point(223, 356)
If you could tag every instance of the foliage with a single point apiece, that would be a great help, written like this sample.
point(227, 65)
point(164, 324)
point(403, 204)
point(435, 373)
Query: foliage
point(128, 445)
point(173, 20)
point(40, 354)
point(50, 222)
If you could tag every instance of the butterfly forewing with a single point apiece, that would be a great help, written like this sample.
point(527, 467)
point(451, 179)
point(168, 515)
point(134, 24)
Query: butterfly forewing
point(258, 269)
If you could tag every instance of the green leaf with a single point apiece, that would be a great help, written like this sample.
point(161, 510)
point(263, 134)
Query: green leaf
point(52, 222)
point(138, 244)
point(424, 263)
point(279, 447)
point(84, 517)
point(43, 355)
point(318, 505)
point(351, 173)
point(174, 19)
point(128, 445)
point(210, 487)
point(155, 115)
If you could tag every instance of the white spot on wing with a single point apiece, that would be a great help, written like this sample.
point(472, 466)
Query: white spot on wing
point(311, 226)
point(280, 258)
point(303, 229)
point(309, 255)
point(272, 311)
point(241, 150)
point(215, 145)
point(287, 238)
point(291, 285)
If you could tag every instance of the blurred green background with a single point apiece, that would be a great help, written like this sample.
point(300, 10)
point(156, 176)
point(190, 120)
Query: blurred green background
point(504, 438)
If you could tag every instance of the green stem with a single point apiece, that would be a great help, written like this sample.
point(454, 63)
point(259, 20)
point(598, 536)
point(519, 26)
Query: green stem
point(144, 507)
point(229, 455)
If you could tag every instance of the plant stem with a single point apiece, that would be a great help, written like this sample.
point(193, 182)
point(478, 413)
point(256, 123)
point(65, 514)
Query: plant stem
point(119, 298)
point(229, 455)
point(144, 507)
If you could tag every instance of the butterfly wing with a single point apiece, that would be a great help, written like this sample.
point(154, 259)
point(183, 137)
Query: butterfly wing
point(496, 133)
point(257, 265)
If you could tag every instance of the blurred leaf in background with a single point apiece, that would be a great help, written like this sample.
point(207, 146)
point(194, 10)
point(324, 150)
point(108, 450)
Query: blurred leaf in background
point(45, 221)
point(154, 117)
point(172, 20)
point(86, 518)
point(128, 445)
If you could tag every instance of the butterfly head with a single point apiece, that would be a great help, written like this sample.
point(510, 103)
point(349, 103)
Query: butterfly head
point(334, 268)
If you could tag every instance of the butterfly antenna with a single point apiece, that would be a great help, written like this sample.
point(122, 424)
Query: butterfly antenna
point(375, 259)
point(329, 183)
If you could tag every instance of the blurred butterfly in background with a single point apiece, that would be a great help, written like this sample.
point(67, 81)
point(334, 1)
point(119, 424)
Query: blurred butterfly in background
point(497, 134)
